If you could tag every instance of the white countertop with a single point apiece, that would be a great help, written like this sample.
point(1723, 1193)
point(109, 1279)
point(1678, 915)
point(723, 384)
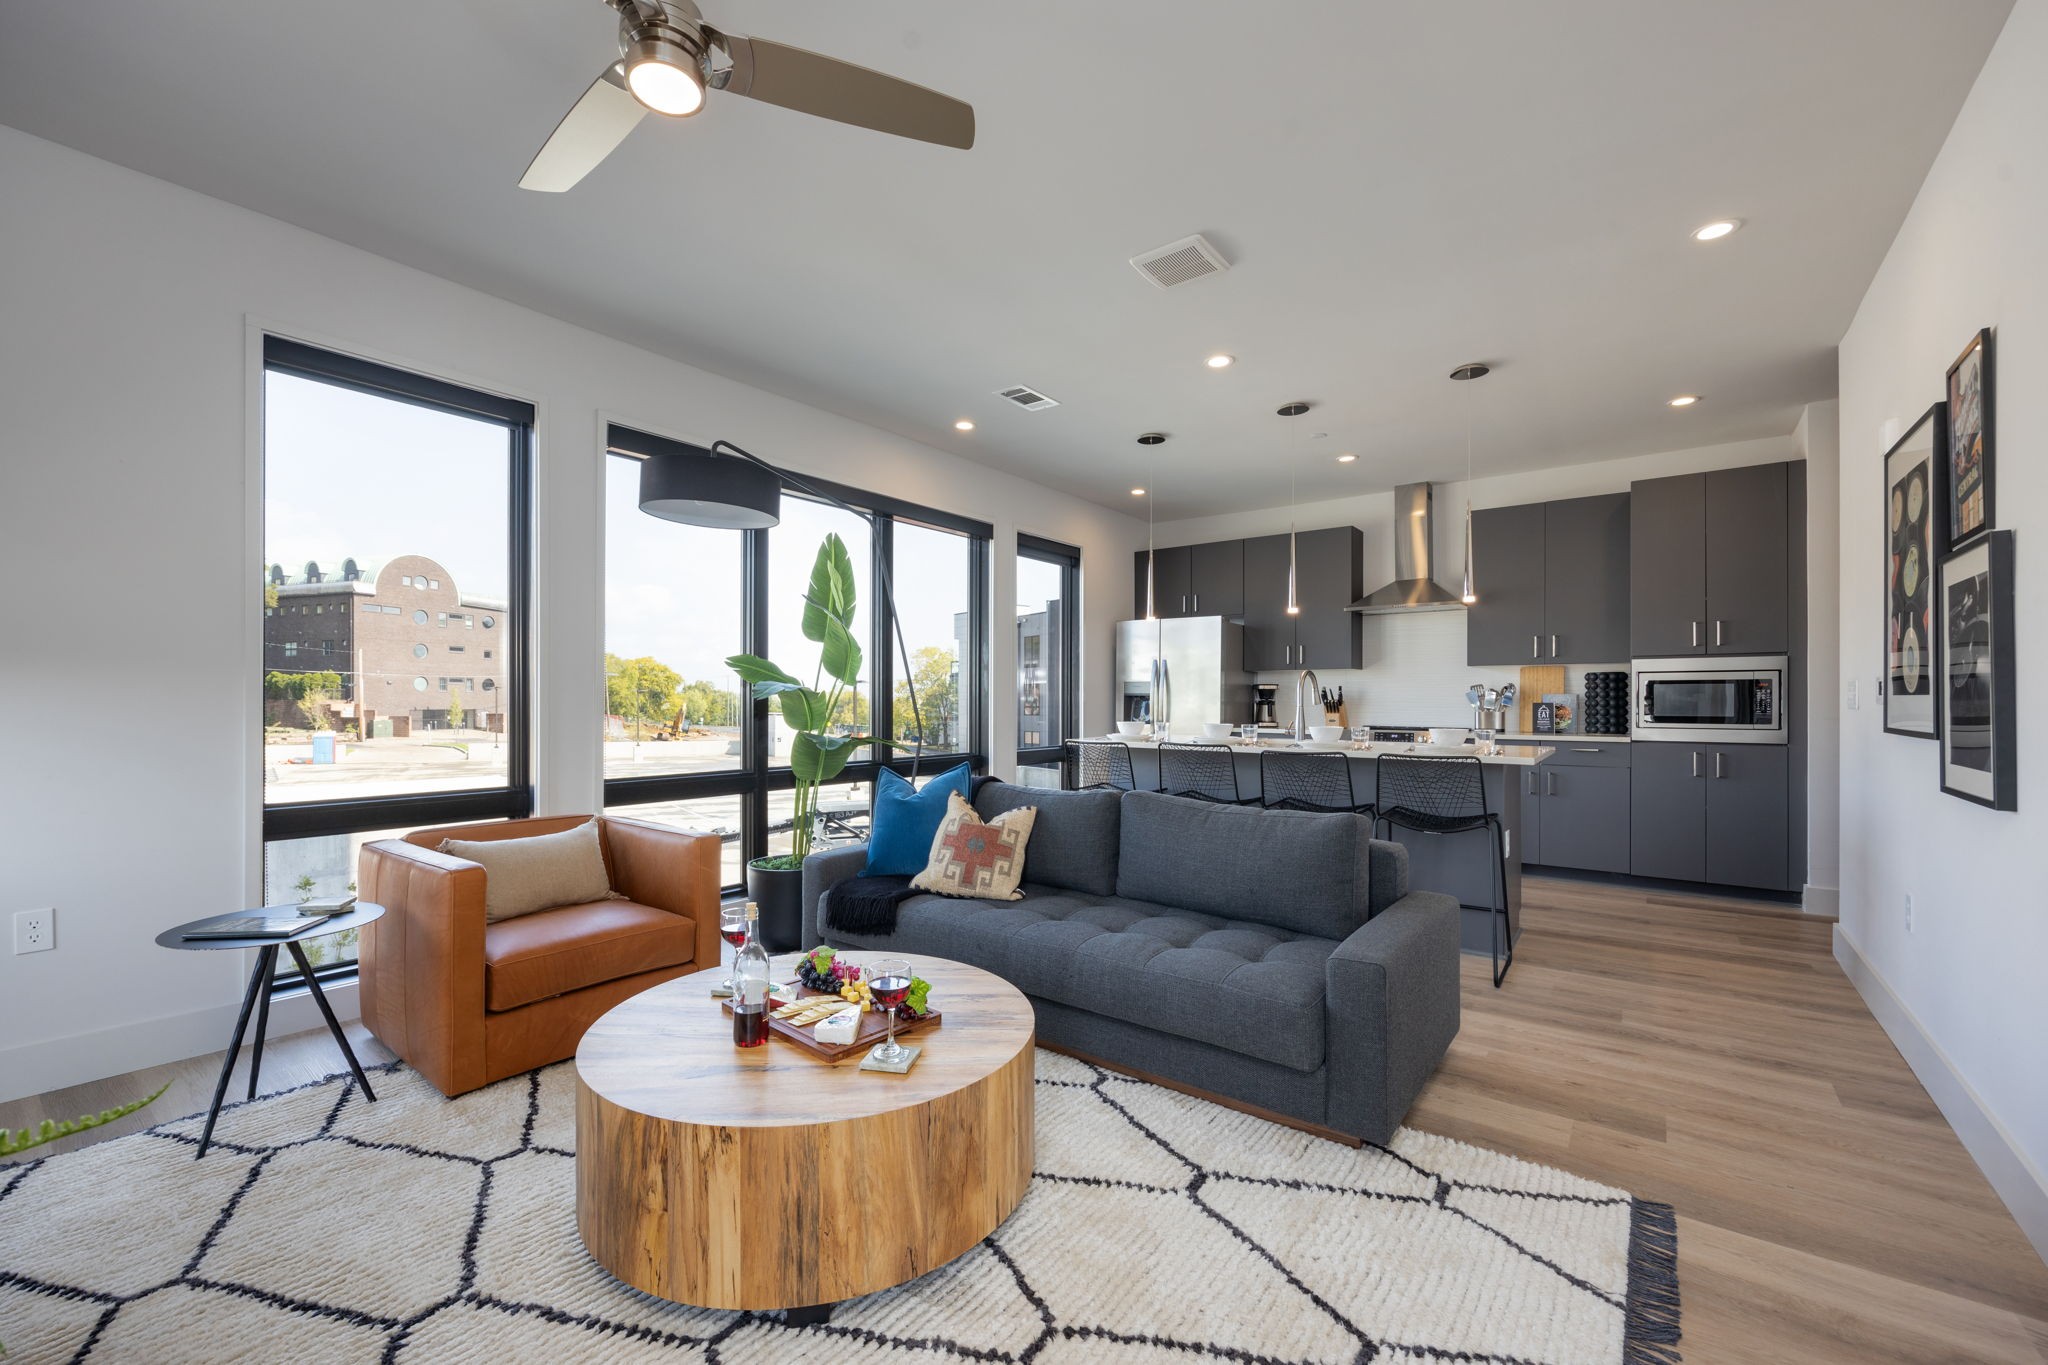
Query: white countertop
point(1527, 756)
point(1563, 739)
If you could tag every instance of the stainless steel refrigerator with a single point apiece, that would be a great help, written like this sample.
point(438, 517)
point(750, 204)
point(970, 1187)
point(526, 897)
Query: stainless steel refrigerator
point(1179, 673)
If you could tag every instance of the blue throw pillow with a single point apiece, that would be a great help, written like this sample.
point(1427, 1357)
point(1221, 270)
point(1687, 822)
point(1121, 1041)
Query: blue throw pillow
point(907, 820)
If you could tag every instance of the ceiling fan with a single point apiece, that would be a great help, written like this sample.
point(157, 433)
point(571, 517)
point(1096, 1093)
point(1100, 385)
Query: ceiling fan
point(669, 58)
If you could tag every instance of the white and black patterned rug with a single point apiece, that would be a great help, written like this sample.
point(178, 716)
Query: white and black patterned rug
point(322, 1228)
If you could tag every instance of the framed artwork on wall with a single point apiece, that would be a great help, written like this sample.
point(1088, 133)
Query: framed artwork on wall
point(1979, 746)
point(1916, 537)
point(1969, 442)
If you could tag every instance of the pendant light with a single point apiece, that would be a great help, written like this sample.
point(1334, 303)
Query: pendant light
point(1294, 409)
point(1150, 438)
point(1469, 594)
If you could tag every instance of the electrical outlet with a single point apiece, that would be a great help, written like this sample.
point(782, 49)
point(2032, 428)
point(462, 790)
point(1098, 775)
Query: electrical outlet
point(35, 931)
point(1909, 912)
point(1852, 694)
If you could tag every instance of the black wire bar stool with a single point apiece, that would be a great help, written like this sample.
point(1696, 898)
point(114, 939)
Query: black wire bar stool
point(1446, 795)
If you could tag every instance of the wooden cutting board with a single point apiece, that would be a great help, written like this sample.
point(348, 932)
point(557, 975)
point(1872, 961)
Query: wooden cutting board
point(1531, 689)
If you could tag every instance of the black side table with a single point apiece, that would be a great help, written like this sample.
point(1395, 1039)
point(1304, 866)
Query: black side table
point(261, 985)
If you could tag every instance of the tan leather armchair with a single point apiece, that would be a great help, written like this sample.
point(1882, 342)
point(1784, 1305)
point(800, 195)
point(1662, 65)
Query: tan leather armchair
point(467, 1002)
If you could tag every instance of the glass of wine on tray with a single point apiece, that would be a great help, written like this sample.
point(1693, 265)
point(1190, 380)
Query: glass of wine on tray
point(889, 978)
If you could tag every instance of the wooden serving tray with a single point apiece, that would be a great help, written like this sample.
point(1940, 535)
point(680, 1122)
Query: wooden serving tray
point(874, 1027)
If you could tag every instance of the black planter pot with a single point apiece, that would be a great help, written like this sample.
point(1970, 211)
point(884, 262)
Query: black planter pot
point(779, 894)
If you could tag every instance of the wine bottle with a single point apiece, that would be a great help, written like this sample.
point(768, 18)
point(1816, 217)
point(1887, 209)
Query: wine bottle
point(750, 986)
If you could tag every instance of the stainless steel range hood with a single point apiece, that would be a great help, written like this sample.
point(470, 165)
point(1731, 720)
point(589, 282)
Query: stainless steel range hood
point(1413, 588)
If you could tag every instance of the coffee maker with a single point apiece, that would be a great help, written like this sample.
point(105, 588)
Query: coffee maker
point(1265, 703)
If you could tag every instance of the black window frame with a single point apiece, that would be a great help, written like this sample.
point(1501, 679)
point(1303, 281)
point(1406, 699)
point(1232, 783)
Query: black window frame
point(757, 778)
point(1068, 558)
point(515, 799)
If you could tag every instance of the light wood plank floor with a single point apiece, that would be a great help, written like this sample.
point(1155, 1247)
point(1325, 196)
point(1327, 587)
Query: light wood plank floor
point(1701, 1051)
point(1709, 1053)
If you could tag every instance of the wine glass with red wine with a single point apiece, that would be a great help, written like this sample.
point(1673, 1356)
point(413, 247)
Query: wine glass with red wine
point(732, 927)
point(889, 979)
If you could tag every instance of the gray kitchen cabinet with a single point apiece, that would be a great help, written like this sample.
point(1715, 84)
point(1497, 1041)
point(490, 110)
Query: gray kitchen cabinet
point(1668, 811)
point(1532, 815)
point(1506, 624)
point(1748, 805)
point(1748, 596)
point(1586, 817)
point(1268, 629)
point(1585, 580)
point(1330, 577)
point(1172, 584)
point(1667, 575)
point(1216, 579)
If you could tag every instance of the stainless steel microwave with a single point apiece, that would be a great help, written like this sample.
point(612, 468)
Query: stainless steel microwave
point(1716, 700)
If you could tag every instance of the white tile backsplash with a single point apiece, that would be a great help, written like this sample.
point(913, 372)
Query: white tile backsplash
point(1415, 673)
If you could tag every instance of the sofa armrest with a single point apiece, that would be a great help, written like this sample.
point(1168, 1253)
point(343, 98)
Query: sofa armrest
point(822, 872)
point(672, 870)
point(1392, 997)
point(422, 962)
point(1386, 873)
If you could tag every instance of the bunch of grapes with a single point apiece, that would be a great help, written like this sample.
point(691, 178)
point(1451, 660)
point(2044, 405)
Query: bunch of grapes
point(821, 970)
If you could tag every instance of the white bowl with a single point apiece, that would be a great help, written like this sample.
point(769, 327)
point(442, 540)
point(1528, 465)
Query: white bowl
point(1326, 734)
point(1216, 729)
point(1130, 729)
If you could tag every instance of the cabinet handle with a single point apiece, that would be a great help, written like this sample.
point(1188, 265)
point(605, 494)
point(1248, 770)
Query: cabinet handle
point(1553, 646)
point(1720, 764)
point(1535, 647)
point(1183, 604)
point(1550, 784)
point(1695, 635)
point(1198, 604)
point(1532, 783)
point(1586, 750)
point(1717, 633)
point(1695, 762)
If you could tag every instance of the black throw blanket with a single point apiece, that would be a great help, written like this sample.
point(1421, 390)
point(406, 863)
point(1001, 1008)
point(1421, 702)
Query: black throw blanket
point(866, 905)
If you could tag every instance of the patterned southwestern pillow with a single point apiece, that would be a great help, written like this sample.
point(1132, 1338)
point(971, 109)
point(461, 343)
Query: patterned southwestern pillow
point(983, 860)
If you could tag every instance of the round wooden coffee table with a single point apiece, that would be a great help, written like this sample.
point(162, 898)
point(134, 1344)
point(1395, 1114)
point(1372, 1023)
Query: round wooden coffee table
point(768, 1178)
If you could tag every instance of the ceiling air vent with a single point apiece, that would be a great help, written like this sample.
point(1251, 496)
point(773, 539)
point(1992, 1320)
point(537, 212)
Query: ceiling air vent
point(1190, 258)
point(1031, 400)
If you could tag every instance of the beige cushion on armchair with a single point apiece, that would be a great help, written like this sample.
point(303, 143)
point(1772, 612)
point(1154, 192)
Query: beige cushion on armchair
point(537, 872)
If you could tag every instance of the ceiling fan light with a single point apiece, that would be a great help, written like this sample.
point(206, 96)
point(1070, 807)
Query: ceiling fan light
point(664, 77)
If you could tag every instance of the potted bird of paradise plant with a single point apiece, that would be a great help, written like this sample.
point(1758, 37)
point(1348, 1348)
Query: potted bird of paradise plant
point(816, 755)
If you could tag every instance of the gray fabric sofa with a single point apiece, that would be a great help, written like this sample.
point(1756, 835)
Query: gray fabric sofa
point(1276, 958)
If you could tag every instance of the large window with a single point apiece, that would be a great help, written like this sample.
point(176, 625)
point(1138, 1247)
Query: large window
point(394, 571)
point(1048, 666)
point(674, 612)
point(680, 599)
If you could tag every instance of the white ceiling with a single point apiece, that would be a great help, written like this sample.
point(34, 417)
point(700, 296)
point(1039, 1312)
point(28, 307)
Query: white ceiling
point(1400, 188)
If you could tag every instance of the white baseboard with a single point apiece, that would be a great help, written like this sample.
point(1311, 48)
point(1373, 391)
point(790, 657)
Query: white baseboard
point(2017, 1181)
point(1825, 901)
point(55, 1063)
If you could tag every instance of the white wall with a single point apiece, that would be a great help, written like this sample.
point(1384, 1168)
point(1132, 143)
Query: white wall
point(127, 555)
point(1962, 993)
point(1415, 671)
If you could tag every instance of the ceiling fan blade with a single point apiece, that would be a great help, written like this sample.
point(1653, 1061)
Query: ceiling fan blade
point(829, 88)
point(586, 135)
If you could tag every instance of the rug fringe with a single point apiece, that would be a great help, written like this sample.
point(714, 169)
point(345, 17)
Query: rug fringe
point(1651, 1330)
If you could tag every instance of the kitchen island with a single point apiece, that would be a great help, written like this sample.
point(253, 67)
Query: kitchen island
point(1456, 864)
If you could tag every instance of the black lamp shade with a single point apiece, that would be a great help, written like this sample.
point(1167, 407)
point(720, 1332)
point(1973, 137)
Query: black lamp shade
point(699, 488)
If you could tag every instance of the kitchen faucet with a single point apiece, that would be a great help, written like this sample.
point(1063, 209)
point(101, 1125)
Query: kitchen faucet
point(1302, 682)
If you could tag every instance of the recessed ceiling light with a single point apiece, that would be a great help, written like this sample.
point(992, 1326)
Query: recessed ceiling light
point(1220, 361)
point(1137, 492)
point(963, 425)
point(1685, 400)
point(1346, 458)
point(1715, 231)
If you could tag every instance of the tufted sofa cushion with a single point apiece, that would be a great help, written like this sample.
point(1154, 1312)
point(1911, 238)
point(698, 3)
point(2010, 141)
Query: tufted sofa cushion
point(1251, 988)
